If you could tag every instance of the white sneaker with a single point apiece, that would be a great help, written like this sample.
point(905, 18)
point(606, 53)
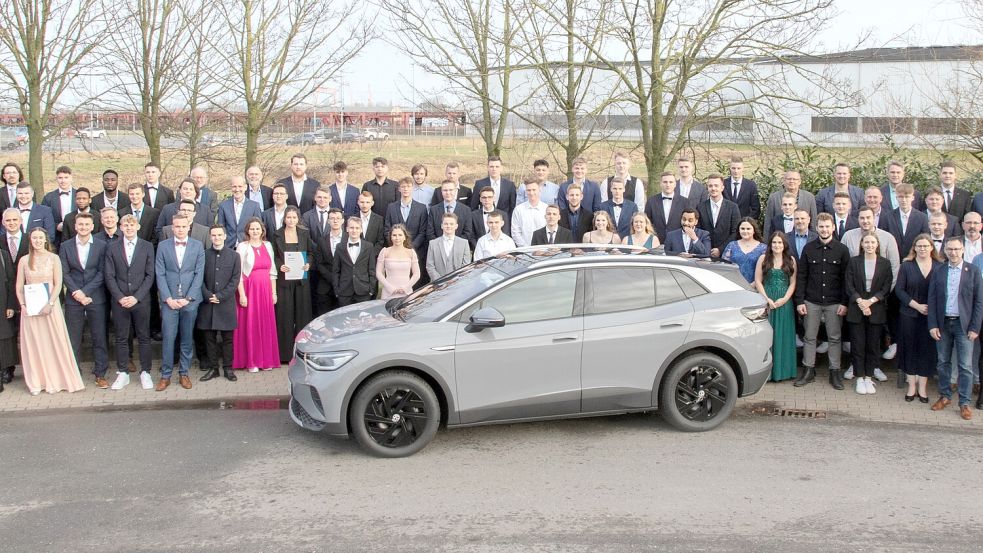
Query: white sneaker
point(122, 381)
point(254, 369)
point(848, 375)
point(798, 342)
point(823, 347)
point(146, 381)
point(846, 347)
point(889, 353)
point(880, 376)
point(870, 386)
point(861, 387)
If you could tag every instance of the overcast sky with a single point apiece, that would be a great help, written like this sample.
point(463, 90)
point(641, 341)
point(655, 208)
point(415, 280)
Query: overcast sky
point(884, 22)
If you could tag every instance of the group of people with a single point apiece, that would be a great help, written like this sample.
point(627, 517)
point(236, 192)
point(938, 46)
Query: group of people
point(235, 280)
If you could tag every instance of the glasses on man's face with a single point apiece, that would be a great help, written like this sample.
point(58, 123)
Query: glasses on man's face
point(953, 250)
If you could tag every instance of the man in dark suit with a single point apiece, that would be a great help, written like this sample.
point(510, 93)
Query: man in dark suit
point(688, 186)
point(620, 209)
point(324, 297)
point(34, 215)
point(382, 188)
point(300, 188)
point(905, 223)
point(934, 202)
point(15, 240)
point(452, 172)
point(146, 216)
point(688, 240)
point(110, 195)
point(155, 194)
point(217, 316)
point(235, 211)
point(577, 218)
point(316, 220)
point(412, 214)
point(591, 189)
point(479, 216)
point(343, 195)
point(801, 233)
point(179, 267)
point(956, 201)
point(186, 192)
point(843, 218)
point(353, 267)
point(955, 324)
point(129, 276)
point(449, 204)
point(273, 216)
point(742, 191)
point(372, 222)
point(825, 198)
point(198, 231)
point(61, 200)
point(205, 197)
point(256, 190)
point(665, 210)
point(503, 188)
point(552, 233)
point(895, 176)
point(11, 176)
point(718, 216)
point(83, 201)
point(785, 221)
point(83, 262)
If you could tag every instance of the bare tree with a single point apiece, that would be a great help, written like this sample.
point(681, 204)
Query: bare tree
point(45, 47)
point(471, 44)
point(278, 52)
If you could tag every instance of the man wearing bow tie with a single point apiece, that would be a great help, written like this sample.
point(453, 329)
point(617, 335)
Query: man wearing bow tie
point(620, 209)
point(666, 210)
point(938, 229)
point(353, 267)
point(155, 194)
point(61, 200)
point(179, 267)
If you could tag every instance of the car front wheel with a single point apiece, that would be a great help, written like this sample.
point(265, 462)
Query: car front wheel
point(699, 393)
point(395, 414)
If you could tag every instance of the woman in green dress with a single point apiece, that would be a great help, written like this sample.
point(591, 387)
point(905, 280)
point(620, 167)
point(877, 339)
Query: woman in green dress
point(774, 277)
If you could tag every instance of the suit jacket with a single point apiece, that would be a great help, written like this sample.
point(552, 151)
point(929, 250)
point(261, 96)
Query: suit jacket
point(223, 270)
point(917, 224)
point(655, 211)
point(970, 297)
point(748, 200)
point(728, 220)
point(164, 196)
point(99, 201)
point(777, 225)
point(790, 236)
point(417, 223)
point(382, 194)
point(805, 201)
point(52, 201)
point(478, 228)
point(351, 200)
point(977, 206)
point(269, 221)
point(22, 248)
point(235, 230)
point(506, 194)
point(464, 196)
point(175, 282)
point(353, 277)
point(886, 204)
point(674, 243)
point(439, 263)
point(133, 279)
point(463, 213)
point(697, 193)
point(628, 210)
point(90, 278)
point(825, 197)
point(961, 203)
point(584, 224)
point(373, 232)
point(849, 224)
point(953, 227)
point(266, 193)
point(563, 236)
point(40, 216)
point(148, 222)
point(198, 232)
point(68, 224)
point(856, 287)
point(8, 297)
point(207, 204)
point(324, 259)
point(202, 217)
point(306, 201)
point(311, 220)
point(592, 195)
point(5, 197)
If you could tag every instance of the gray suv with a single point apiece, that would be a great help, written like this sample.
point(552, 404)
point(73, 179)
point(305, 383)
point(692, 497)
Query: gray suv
point(536, 333)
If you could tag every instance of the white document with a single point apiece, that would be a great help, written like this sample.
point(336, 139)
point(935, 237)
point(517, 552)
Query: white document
point(295, 262)
point(35, 297)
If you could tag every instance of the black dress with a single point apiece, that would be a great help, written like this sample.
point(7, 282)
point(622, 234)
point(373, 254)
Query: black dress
point(293, 297)
point(916, 349)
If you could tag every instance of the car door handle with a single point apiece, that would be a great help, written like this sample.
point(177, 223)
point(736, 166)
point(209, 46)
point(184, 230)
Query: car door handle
point(563, 339)
point(670, 325)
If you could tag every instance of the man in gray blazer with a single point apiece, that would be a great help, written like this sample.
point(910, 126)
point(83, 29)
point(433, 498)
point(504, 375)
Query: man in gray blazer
point(449, 252)
point(198, 231)
point(792, 182)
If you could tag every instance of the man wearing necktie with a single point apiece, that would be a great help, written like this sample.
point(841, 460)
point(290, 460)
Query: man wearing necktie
point(841, 214)
point(449, 204)
point(11, 176)
point(552, 233)
point(353, 267)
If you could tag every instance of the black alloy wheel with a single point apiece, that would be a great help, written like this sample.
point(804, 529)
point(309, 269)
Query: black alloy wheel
point(699, 393)
point(395, 414)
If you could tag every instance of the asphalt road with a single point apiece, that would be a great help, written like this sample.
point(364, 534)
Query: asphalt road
point(206, 480)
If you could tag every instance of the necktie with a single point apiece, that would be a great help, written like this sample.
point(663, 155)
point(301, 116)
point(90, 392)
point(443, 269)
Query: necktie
point(129, 253)
point(904, 223)
point(12, 246)
point(550, 237)
point(137, 215)
point(320, 215)
point(447, 208)
point(737, 187)
point(842, 228)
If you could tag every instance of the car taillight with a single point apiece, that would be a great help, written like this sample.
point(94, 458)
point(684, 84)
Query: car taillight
point(755, 314)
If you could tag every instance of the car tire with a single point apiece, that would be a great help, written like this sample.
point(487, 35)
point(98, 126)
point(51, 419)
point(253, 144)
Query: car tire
point(698, 393)
point(395, 414)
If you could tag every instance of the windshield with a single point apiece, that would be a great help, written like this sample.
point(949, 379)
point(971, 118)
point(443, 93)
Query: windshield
point(444, 294)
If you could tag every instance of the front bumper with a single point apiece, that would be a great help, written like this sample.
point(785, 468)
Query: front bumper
point(314, 403)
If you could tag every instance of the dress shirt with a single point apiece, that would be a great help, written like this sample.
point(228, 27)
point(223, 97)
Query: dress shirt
point(947, 195)
point(111, 202)
point(13, 243)
point(449, 207)
point(179, 248)
point(448, 245)
point(938, 243)
point(735, 188)
point(551, 235)
point(25, 220)
point(715, 210)
point(952, 289)
point(342, 193)
point(484, 217)
point(404, 209)
point(684, 187)
point(666, 207)
point(496, 186)
point(83, 250)
point(904, 221)
point(256, 196)
point(788, 224)
point(137, 211)
point(840, 226)
point(278, 218)
point(616, 208)
point(152, 193)
point(877, 219)
point(548, 193)
point(574, 217)
point(322, 219)
point(298, 188)
point(800, 241)
point(686, 241)
point(971, 249)
point(488, 246)
point(527, 219)
point(423, 194)
point(365, 222)
point(128, 247)
point(65, 199)
point(237, 209)
point(335, 240)
point(354, 248)
point(639, 198)
point(892, 197)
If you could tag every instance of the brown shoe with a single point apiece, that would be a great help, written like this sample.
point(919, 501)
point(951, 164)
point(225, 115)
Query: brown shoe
point(163, 383)
point(965, 413)
point(941, 404)
point(185, 382)
point(101, 383)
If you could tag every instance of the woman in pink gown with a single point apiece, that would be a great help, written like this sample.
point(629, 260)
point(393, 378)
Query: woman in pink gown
point(397, 268)
point(46, 354)
point(254, 341)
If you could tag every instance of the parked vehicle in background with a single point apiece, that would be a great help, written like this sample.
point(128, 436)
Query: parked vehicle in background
point(12, 138)
point(373, 133)
point(305, 139)
point(92, 132)
point(347, 137)
point(211, 141)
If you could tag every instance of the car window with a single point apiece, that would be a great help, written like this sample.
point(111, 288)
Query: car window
point(690, 287)
point(667, 289)
point(537, 298)
point(615, 289)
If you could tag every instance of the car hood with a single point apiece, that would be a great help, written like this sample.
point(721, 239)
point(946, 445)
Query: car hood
point(346, 321)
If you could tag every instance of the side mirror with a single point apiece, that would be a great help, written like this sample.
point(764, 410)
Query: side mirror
point(486, 317)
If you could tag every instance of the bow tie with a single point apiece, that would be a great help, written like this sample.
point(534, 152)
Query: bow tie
point(185, 243)
point(618, 205)
point(666, 198)
point(25, 210)
point(788, 218)
point(937, 241)
point(152, 187)
point(802, 236)
point(353, 244)
point(64, 193)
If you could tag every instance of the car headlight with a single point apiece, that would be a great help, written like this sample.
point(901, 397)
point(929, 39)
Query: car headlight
point(328, 360)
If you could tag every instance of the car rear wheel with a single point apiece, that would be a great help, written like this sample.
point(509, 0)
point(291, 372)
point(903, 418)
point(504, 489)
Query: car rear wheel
point(395, 414)
point(699, 393)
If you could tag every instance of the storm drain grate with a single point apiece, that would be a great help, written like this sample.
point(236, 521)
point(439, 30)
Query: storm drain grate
point(798, 413)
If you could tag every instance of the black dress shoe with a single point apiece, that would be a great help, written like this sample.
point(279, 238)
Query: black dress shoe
point(8, 375)
point(923, 399)
point(807, 376)
point(212, 373)
point(157, 337)
point(230, 375)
